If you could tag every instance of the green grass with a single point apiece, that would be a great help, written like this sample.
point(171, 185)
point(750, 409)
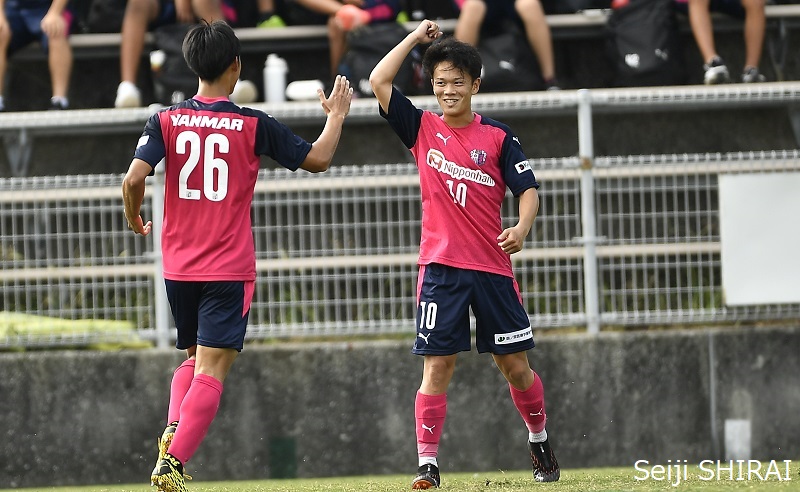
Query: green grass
point(588, 480)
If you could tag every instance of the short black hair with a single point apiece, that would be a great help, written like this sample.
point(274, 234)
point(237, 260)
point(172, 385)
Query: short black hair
point(463, 57)
point(209, 49)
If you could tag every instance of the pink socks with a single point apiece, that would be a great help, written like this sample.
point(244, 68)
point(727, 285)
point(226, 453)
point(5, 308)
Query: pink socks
point(530, 404)
point(181, 381)
point(196, 414)
point(429, 411)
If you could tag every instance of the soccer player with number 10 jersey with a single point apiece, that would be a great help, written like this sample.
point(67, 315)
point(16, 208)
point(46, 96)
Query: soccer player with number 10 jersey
point(465, 162)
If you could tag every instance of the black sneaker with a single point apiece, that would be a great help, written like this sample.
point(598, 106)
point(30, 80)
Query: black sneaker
point(751, 75)
point(716, 72)
point(168, 475)
point(545, 466)
point(427, 478)
point(57, 105)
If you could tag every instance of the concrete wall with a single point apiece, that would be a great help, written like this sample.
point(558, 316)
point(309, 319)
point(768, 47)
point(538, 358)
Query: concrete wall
point(311, 410)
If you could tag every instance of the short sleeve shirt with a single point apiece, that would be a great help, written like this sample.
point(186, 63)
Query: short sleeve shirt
point(210, 149)
point(463, 175)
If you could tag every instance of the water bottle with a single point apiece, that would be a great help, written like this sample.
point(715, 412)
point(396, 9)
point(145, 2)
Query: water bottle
point(275, 69)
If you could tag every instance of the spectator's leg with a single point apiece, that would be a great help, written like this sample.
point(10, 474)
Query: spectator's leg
point(209, 10)
point(470, 18)
point(59, 59)
point(326, 7)
point(754, 26)
point(337, 41)
point(138, 14)
point(5, 39)
point(538, 33)
point(700, 20)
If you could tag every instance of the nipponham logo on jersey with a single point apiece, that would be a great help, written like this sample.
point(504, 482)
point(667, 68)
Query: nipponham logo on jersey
point(522, 166)
point(142, 140)
point(513, 337)
point(206, 121)
point(437, 161)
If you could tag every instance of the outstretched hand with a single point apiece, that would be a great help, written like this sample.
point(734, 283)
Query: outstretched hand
point(426, 32)
point(338, 103)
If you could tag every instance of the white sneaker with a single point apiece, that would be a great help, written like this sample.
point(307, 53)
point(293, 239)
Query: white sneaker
point(128, 96)
point(244, 92)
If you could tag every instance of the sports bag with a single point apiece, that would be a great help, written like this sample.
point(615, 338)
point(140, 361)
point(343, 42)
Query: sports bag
point(643, 44)
point(508, 62)
point(366, 46)
point(173, 81)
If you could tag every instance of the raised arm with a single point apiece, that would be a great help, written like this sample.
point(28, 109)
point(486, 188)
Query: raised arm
point(385, 71)
point(336, 107)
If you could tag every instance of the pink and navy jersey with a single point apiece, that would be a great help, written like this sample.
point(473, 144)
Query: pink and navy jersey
point(463, 175)
point(211, 150)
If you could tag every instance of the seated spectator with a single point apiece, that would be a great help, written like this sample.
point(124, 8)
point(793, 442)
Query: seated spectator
point(478, 17)
point(340, 16)
point(716, 72)
point(23, 22)
point(141, 15)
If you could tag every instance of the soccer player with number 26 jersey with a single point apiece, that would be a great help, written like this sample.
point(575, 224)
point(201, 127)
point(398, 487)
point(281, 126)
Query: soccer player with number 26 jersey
point(211, 152)
point(465, 163)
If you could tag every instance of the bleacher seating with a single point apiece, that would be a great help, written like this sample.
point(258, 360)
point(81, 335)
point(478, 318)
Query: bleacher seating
point(18, 129)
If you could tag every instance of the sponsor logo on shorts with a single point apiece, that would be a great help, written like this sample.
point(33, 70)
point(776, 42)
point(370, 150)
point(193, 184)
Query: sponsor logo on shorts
point(513, 337)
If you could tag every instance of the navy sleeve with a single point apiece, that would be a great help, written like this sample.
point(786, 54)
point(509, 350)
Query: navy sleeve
point(276, 140)
point(150, 147)
point(514, 165)
point(404, 118)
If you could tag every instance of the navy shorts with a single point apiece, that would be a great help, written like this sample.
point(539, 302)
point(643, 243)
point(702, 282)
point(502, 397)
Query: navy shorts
point(25, 20)
point(444, 297)
point(211, 314)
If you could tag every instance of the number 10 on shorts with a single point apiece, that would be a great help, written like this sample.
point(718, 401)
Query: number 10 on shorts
point(427, 316)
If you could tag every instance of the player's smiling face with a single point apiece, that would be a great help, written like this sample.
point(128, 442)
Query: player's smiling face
point(453, 90)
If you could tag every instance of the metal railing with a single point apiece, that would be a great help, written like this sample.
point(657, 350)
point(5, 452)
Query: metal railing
point(619, 240)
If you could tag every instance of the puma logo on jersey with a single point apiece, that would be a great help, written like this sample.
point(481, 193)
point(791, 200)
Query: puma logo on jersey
point(537, 414)
point(444, 139)
point(429, 429)
point(424, 337)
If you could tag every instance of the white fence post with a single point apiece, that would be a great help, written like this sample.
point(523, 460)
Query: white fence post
point(589, 238)
point(161, 305)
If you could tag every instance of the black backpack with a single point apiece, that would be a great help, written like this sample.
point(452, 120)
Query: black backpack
point(106, 16)
point(366, 46)
point(508, 62)
point(174, 81)
point(643, 44)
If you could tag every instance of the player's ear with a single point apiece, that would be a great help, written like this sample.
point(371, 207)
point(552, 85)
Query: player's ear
point(476, 85)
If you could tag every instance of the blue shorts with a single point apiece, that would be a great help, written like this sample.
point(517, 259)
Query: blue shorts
point(444, 297)
point(211, 314)
point(25, 21)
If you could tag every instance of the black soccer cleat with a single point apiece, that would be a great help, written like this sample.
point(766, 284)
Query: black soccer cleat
point(543, 461)
point(427, 478)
